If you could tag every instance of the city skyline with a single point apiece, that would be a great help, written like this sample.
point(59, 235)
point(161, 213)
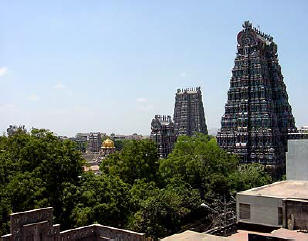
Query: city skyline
point(79, 67)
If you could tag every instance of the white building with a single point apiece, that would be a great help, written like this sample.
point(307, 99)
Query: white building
point(281, 204)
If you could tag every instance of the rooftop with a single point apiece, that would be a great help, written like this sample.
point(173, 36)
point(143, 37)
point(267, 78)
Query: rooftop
point(240, 235)
point(284, 189)
point(193, 236)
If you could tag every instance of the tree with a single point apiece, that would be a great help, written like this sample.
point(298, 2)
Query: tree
point(136, 190)
point(33, 168)
point(137, 160)
point(201, 163)
point(101, 198)
point(165, 210)
point(249, 176)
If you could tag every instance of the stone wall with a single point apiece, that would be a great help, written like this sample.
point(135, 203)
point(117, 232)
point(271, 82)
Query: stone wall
point(36, 225)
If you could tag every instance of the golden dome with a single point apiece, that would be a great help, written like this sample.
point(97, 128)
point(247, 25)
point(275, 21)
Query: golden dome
point(108, 143)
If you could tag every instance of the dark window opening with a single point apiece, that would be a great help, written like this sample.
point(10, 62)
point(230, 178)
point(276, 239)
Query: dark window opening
point(279, 216)
point(244, 211)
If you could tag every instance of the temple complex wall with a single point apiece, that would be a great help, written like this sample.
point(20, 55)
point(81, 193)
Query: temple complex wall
point(36, 225)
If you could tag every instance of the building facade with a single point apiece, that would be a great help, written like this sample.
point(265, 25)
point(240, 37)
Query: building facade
point(162, 133)
point(257, 116)
point(189, 112)
point(280, 204)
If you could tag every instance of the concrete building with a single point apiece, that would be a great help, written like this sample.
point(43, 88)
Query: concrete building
point(297, 159)
point(281, 204)
point(37, 225)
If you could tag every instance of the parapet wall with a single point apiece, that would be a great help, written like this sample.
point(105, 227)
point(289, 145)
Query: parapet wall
point(36, 225)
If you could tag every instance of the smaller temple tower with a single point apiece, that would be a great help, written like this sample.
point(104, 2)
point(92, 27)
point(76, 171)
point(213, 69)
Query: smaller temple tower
point(94, 141)
point(162, 133)
point(188, 112)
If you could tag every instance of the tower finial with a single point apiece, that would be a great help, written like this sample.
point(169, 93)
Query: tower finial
point(247, 25)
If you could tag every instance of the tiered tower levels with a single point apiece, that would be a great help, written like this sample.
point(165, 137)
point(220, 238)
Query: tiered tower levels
point(162, 133)
point(257, 115)
point(189, 112)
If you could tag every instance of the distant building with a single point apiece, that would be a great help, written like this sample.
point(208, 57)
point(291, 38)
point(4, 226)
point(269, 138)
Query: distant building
point(258, 116)
point(281, 204)
point(301, 133)
point(162, 133)
point(297, 160)
point(189, 112)
point(81, 142)
point(92, 167)
point(37, 224)
point(94, 142)
point(82, 135)
point(303, 129)
point(134, 136)
point(92, 157)
point(13, 129)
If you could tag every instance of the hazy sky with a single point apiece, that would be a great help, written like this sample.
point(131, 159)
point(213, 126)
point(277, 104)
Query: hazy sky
point(76, 66)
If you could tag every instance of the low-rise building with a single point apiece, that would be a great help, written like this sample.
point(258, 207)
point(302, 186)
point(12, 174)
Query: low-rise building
point(280, 204)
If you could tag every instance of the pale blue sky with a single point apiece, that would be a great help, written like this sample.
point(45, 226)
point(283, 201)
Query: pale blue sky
point(76, 66)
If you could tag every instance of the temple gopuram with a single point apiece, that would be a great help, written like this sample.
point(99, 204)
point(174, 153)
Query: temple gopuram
point(162, 133)
point(258, 116)
point(189, 112)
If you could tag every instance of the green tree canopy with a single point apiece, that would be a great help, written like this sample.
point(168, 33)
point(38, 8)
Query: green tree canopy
point(201, 163)
point(135, 190)
point(33, 168)
point(137, 160)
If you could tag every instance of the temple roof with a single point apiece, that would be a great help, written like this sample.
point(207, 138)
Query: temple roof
point(108, 143)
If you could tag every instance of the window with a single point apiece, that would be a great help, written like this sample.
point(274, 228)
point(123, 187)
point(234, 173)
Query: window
point(244, 211)
point(279, 216)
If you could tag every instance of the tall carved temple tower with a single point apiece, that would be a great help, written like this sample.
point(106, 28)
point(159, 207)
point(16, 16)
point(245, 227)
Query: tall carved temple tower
point(188, 112)
point(162, 133)
point(257, 115)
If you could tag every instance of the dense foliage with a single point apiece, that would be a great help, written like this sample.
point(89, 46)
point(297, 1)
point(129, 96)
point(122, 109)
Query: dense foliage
point(135, 190)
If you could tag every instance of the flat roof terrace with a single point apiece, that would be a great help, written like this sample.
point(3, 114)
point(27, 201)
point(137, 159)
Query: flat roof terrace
point(283, 189)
